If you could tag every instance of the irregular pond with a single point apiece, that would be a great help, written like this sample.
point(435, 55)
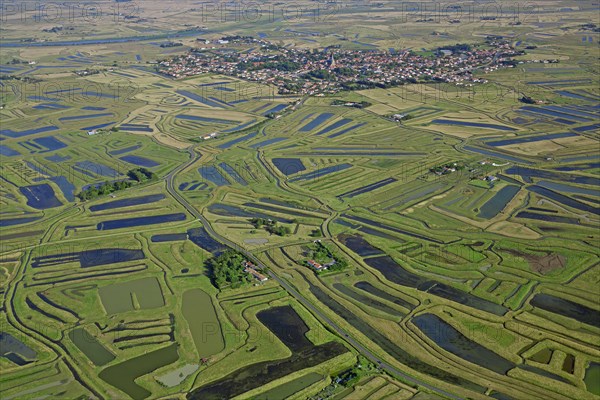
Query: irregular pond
point(451, 340)
point(566, 308)
point(388, 345)
point(289, 166)
point(375, 291)
point(40, 196)
point(288, 327)
point(367, 301)
point(313, 175)
point(212, 174)
point(15, 350)
point(91, 347)
point(123, 375)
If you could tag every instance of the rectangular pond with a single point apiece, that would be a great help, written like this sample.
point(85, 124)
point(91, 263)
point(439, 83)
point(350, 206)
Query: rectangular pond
point(557, 176)
point(199, 99)
point(119, 297)
point(17, 134)
point(497, 203)
point(239, 127)
point(205, 119)
point(529, 139)
point(277, 108)
point(169, 237)
point(333, 126)
point(237, 140)
point(140, 221)
point(124, 150)
point(565, 200)
point(7, 151)
point(495, 154)
point(368, 188)
point(140, 161)
point(441, 121)
point(128, 202)
point(85, 116)
point(267, 142)
point(343, 131)
point(89, 258)
point(321, 118)
point(561, 187)
point(228, 210)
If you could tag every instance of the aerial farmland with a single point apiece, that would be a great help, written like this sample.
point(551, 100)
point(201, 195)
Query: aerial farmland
point(319, 200)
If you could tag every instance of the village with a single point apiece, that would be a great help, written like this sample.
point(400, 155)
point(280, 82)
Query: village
point(305, 71)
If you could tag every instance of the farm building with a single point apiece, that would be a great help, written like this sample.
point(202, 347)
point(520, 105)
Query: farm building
point(316, 266)
point(251, 269)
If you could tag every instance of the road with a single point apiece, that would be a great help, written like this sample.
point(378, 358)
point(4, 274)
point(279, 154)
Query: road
point(393, 371)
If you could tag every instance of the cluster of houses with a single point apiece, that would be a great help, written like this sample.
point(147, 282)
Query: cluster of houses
point(264, 64)
point(252, 270)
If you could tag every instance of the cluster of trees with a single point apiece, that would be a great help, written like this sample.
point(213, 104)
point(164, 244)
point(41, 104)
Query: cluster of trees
point(271, 226)
point(323, 255)
point(171, 44)
point(142, 175)
point(356, 104)
point(226, 270)
point(102, 190)
point(458, 48)
point(138, 175)
point(527, 100)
